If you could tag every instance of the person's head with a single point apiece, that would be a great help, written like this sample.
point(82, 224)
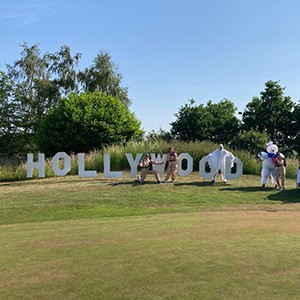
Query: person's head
point(147, 155)
point(221, 147)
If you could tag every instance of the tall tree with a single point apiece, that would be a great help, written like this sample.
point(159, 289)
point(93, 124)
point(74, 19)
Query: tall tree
point(33, 85)
point(272, 112)
point(104, 76)
point(81, 123)
point(214, 122)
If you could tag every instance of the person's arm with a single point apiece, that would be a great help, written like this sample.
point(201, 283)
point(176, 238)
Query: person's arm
point(157, 163)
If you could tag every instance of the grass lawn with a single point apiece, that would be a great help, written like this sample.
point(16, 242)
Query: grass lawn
point(74, 238)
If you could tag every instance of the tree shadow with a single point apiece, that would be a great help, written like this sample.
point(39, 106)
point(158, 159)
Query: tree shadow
point(287, 196)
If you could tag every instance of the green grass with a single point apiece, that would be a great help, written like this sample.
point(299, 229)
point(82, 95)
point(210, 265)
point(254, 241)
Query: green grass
point(75, 238)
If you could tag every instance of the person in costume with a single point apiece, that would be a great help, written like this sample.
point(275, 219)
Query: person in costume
point(268, 165)
point(172, 165)
point(280, 172)
point(146, 165)
point(217, 162)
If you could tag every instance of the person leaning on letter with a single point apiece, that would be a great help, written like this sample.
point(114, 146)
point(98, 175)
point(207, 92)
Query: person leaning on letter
point(146, 166)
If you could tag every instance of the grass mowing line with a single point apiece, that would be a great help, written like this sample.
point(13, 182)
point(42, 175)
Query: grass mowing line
point(203, 255)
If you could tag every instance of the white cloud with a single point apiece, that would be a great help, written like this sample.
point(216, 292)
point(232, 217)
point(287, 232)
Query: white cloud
point(26, 12)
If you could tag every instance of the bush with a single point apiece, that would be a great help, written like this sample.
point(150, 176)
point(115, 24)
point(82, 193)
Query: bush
point(86, 122)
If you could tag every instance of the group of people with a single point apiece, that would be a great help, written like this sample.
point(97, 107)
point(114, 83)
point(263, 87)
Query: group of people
point(273, 165)
point(147, 163)
point(216, 161)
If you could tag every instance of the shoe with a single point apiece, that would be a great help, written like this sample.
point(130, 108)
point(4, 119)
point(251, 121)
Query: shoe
point(275, 186)
point(159, 182)
point(282, 189)
point(263, 186)
point(225, 180)
point(213, 180)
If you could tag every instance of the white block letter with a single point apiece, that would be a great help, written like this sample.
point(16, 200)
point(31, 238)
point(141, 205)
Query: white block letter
point(40, 164)
point(67, 164)
point(81, 167)
point(239, 168)
point(107, 173)
point(202, 171)
point(189, 161)
point(133, 162)
point(159, 168)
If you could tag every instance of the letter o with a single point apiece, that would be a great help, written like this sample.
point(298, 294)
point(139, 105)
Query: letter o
point(67, 164)
point(189, 168)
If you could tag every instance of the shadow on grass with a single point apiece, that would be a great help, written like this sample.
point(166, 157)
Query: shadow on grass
point(204, 183)
point(249, 189)
point(287, 196)
point(133, 183)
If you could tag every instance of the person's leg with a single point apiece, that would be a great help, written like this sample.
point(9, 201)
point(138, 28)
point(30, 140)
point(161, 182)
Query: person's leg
point(144, 173)
point(277, 178)
point(169, 171)
point(265, 173)
point(174, 171)
point(215, 173)
point(156, 175)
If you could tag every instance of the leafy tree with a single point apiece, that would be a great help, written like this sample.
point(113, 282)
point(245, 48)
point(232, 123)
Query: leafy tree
point(252, 141)
point(159, 135)
point(85, 122)
point(104, 76)
point(224, 125)
point(272, 112)
point(33, 85)
point(294, 125)
point(214, 122)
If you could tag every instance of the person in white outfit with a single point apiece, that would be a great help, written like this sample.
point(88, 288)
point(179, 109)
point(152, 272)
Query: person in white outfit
point(217, 162)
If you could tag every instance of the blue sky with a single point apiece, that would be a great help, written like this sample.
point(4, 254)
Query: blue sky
point(168, 51)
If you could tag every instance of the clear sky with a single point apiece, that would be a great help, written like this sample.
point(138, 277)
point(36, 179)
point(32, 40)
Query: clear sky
point(168, 51)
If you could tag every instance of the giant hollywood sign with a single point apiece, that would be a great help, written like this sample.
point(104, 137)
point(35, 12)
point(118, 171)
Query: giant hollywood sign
point(63, 169)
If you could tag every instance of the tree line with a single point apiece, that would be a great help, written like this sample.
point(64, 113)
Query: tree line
point(48, 105)
point(272, 116)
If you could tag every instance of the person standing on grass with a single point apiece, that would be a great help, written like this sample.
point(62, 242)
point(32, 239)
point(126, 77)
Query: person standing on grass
point(217, 162)
point(280, 171)
point(172, 165)
point(146, 165)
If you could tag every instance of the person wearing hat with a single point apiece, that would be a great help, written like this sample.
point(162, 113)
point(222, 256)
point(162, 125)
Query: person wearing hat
point(172, 165)
point(146, 165)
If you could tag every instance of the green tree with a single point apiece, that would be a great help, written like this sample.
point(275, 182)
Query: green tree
point(104, 76)
point(85, 122)
point(295, 129)
point(214, 122)
point(252, 141)
point(33, 85)
point(272, 112)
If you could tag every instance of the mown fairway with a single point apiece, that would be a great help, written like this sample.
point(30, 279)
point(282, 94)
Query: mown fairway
point(73, 238)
